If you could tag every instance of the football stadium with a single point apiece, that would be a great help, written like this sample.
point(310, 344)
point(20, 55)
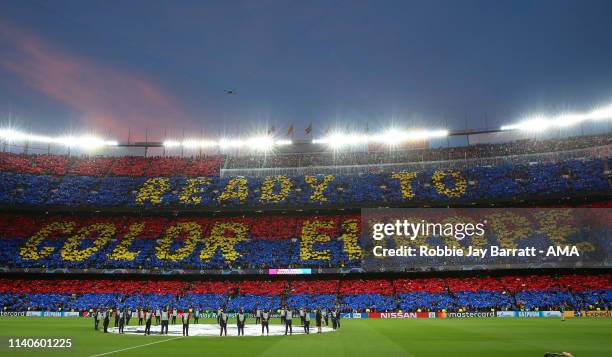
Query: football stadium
point(125, 236)
point(103, 250)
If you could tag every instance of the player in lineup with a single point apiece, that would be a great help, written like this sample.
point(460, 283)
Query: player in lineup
point(306, 322)
point(185, 320)
point(148, 317)
point(164, 321)
point(96, 316)
point(141, 316)
point(121, 315)
point(288, 321)
point(256, 313)
point(240, 321)
point(318, 320)
point(265, 318)
point(196, 315)
point(174, 315)
point(105, 320)
point(222, 322)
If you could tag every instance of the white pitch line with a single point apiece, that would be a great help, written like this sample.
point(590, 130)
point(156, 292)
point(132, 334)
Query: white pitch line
point(131, 348)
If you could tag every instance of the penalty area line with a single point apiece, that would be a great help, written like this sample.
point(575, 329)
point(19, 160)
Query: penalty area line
point(131, 348)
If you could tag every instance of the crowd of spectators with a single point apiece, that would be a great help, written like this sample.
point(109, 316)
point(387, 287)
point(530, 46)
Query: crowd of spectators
point(131, 166)
point(519, 147)
point(255, 242)
point(505, 182)
point(424, 294)
point(334, 241)
point(171, 166)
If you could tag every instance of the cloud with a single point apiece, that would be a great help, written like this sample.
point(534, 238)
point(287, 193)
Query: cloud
point(104, 96)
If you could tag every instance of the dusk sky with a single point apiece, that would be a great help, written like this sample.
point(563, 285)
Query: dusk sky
point(165, 65)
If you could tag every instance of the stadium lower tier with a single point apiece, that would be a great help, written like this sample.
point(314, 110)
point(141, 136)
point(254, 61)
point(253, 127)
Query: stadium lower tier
point(427, 294)
point(507, 182)
point(285, 241)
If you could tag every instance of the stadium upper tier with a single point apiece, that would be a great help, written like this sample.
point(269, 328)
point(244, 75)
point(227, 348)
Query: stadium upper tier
point(126, 166)
point(252, 244)
point(503, 183)
point(508, 292)
point(478, 151)
point(137, 166)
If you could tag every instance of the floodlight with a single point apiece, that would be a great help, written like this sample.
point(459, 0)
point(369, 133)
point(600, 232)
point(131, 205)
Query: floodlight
point(84, 142)
point(192, 144)
point(260, 143)
point(542, 122)
point(230, 143)
point(171, 143)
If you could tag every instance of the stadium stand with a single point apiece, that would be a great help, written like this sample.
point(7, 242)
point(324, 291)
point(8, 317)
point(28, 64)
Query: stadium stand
point(176, 182)
point(500, 183)
point(520, 147)
point(475, 294)
point(252, 242)
point(136, 166)
point(130, 166)
point(56, 228)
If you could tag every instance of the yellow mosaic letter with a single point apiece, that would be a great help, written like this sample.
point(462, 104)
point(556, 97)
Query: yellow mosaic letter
point(194, 234)
point(71, 251)
point(405, 179)
point(267, 189)
point(152, 190)
point(310, 236)
point(31, 251)
point(122, 250)
point(460, 183)
point(237, 187)
point(190, 194)
point(226, 242)
point(318, 187)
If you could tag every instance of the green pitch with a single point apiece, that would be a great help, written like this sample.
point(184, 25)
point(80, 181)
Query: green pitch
point(493, 337)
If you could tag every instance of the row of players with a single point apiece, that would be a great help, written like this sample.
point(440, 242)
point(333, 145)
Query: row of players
point(163, 316)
